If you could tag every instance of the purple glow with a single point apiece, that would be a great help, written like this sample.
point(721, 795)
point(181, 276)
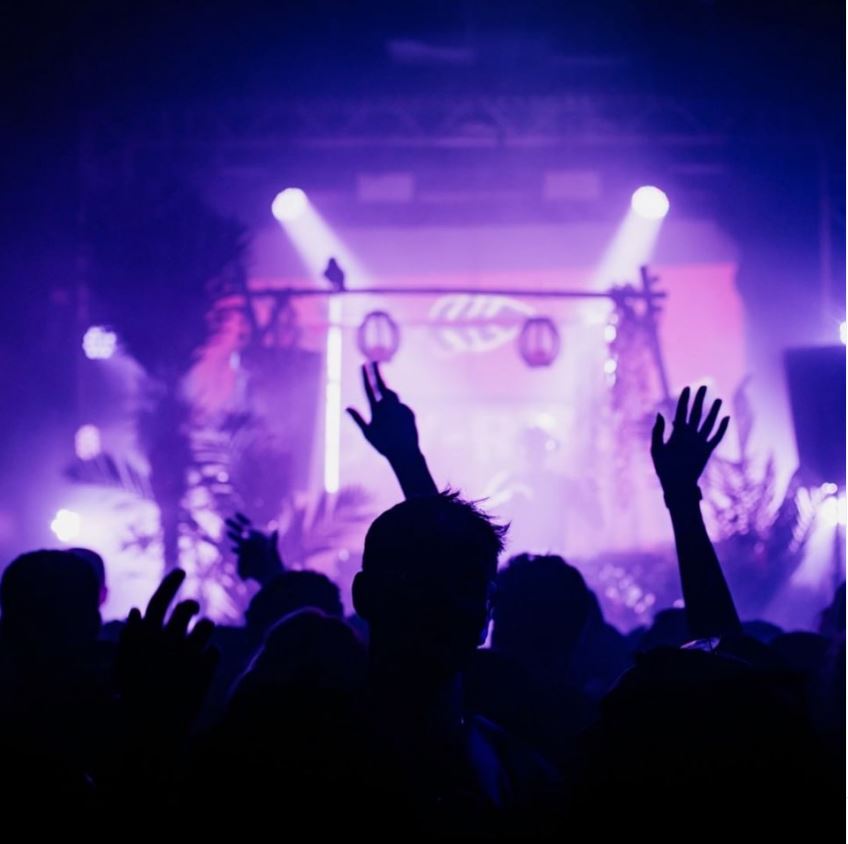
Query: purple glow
point(650, 203)
point(289, 204)
point(99, 343)
point(87, 442)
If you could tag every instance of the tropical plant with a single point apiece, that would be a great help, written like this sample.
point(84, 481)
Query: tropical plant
point(159, 258)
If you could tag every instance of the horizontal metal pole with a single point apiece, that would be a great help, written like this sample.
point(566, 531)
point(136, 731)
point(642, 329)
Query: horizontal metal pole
point(447, 291)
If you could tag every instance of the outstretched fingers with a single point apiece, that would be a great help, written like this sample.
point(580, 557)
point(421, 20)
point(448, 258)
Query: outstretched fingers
point(201, 635)
point(657, 434)
point(357, 417)
point(709, 422)
point(682, 408)
point(385, 393)
point(180, 619)
point(697, 407)
point(369, 390)
point(719, 434)
point(235, 530)
point(163, 597)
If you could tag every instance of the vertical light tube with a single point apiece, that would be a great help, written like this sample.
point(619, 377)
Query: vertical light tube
point(333, 395)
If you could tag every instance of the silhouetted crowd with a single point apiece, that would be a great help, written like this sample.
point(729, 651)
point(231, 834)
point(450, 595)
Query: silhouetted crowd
point(401, 722)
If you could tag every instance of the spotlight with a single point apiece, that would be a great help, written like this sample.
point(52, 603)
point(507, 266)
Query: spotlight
point(289, 204)
point(843, 332)
point(832, 511)
point(649, 202)
point(66, 525)
point(87, 442)
point(99, 343)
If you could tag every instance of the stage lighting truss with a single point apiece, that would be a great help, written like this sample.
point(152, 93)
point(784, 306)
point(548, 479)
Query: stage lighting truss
point(378, 336)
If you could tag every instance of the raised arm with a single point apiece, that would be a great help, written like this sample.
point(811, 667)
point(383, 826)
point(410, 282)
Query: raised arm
point(163, 669)
point(393, 434)
point(679, 463)
point(257, 554)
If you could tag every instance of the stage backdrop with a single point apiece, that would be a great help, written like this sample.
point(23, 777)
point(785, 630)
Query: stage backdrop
point(546, 447)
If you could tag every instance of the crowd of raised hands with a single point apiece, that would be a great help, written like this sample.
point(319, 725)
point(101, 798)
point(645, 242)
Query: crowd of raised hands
point(398, 722)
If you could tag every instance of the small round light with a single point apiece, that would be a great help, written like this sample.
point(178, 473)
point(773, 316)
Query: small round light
point(289, 204)
point(66, 525)
point(832, 511)
point(99, 343)
point(650, 203)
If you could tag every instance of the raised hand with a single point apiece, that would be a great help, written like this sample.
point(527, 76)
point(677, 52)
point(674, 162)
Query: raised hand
point(680, 461)
point(393, 434)
point(392, 429)
point(258, 557)
point(163, 669)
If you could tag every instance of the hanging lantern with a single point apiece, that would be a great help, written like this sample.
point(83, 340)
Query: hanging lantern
point(378, 337)
point(539, 342)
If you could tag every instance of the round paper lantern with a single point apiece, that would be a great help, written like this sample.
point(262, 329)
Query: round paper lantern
point(539, 342)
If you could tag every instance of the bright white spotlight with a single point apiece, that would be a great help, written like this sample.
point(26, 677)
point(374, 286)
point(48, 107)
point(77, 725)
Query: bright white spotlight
point(87, 442)
point(843, 332)
point(832, 510)
point(289, 204)
point(649, 202)
point(99, 343)
point(66, 525)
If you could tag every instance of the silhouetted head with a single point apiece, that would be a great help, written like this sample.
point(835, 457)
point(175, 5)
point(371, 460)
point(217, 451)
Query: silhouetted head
point(669, 629)
point(802, 652)
point(49, 602)
point(763, 631)
point(307, 651)
point(832, 621)
point(427, 579)
point(288, 592)
point(701, 737)
point(542, 607)
point(293, 727)
point(96, 562)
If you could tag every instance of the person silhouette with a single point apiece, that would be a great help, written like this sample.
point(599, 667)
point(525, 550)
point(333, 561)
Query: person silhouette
point(426, 589)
